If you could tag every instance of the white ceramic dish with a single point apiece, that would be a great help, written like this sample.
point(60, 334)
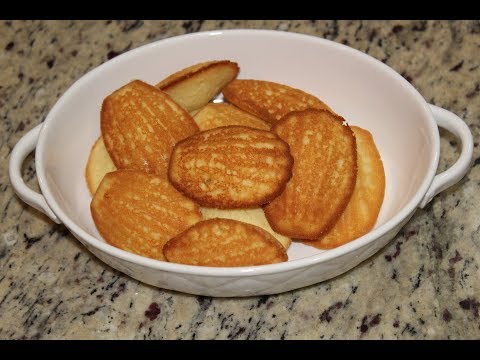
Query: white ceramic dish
point(363, 90)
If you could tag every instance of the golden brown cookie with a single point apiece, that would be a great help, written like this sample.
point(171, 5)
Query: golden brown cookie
point(253, 216)
point(99, 163)
point(140, 125)
point(140, 212)
point(362, 210)
point(224, 242)
point(324, 173)
point(194, 86)
point(216, 115)
point(268, 100)
point(231, 167)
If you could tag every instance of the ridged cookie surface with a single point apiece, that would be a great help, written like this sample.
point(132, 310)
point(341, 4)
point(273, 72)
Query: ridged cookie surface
point(99, 163)
point(222, 114)
point(224, 242)
point(268, 100)
point(196, 85)
point(253, 216)
point(140, 125)
point(324, 173)
point(140, 212)
point(231, 167)
point(362, 210)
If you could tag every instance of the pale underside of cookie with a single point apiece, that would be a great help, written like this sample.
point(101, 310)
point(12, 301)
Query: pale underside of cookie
point(268, 100)
point(140, 125)
point(224, 243)
point(364, 206)
point(194, 86)
point(98, 165)
point(222, 114)
point(254, 216)
point(140, 212)
point(324, 174)
point(231, 167)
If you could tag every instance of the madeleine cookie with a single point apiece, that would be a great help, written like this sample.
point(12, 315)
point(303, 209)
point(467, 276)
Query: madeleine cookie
point(196, 85)
point(140, 125)
point(324, 173)
point(99, 163)
point(140, 212)
point(231, 167)
point(216, 115)
point(254, 216)
point(224, 242)
point(363, 208)
point(268, 100)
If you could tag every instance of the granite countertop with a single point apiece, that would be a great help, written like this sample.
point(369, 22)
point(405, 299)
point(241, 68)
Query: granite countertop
point(423, 285)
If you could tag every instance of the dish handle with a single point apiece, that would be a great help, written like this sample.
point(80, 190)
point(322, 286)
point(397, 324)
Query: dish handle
point(25, 146)
point(457, 171)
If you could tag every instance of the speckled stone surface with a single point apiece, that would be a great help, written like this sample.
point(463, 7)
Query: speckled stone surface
point(424, 285)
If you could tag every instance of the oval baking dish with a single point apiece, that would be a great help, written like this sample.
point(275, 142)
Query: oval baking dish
point(358, 87)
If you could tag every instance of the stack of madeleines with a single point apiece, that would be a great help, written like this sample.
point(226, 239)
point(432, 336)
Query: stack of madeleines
point(178, 178)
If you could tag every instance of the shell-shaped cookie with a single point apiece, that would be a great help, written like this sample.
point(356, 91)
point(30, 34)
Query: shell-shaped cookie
point(324, 174)
point(140, 212)
point(364, 206)
point(196, 85)
point(98, 165)
point(268, 100)
point(224, 242)
point(223, 114)
point(140, 125)
point(231, 167)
